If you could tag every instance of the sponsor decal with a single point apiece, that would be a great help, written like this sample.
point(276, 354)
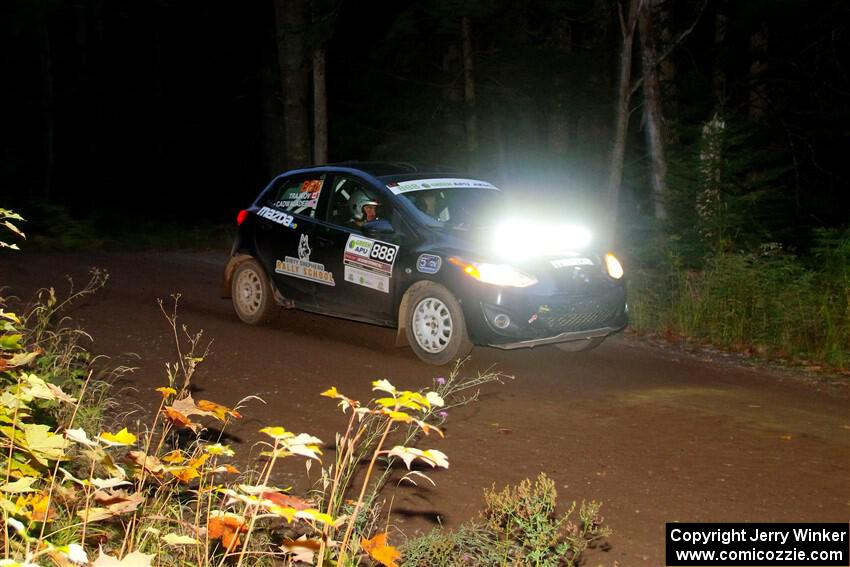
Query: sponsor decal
point(370, 255)
point(278, 216)
point(367, 279)
point(424, 184)
point(428, 263)
point(302, 267)
point(570, 262)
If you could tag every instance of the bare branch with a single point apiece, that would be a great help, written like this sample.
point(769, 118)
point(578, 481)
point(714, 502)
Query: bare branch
point(673, 45)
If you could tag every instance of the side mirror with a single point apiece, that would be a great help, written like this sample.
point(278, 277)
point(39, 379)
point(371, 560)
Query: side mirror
point(377, 227)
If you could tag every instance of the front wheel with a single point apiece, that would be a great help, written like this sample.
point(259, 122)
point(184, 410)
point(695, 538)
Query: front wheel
point(436, 329)
point(252, 293)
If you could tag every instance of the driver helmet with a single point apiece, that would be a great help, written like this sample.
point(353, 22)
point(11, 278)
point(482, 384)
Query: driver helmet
point(357, 201)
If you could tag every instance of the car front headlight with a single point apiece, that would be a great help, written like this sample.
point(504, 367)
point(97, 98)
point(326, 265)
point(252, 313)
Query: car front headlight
point(495, 274)
point(613, 265)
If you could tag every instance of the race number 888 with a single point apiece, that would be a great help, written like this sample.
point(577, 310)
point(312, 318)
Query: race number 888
point(385, 253)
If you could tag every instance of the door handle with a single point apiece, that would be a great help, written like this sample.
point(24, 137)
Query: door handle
point(324, 242)
point(265, 226)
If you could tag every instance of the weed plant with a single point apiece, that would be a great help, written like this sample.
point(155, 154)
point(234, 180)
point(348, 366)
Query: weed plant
point(770, 302)
point(518, 526)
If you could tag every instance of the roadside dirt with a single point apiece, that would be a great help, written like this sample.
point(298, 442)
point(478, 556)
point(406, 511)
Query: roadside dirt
point(657, 435)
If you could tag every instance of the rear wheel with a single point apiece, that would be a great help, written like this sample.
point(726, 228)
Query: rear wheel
point(436, 329)
point(252, 293)
point(582, 345)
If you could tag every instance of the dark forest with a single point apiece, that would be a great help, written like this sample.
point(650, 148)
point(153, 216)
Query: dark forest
point(183, 109)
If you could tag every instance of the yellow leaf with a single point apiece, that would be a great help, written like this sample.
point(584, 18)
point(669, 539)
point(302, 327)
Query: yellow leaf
point(123, 437)
point(21, 485)
point(134, 559)
point(330, 393)
point(219, 449)
point(42, 444)
point(276, 432)
point(166, 392)
point(378, 550)
point(384, 386)
point(218, 410)
point(175, 539)
point(174, 457)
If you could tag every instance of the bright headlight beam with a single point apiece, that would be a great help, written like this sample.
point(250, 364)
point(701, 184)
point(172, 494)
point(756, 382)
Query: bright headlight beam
point(521, 240)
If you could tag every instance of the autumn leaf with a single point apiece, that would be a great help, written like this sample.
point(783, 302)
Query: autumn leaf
point(21, 485)
point(134, 559)
point(185, 474)
point(79, 436)
point(166, 392)
point(344, 401)
point(285, 500)
point(174, 457)
point(120, 503)
point(42, 444)
point(122, 438)
point(188, 407)
point(147, 462)
point(384, 386)
point(220, 411)
point(301, 549)
point(378, 550)
point(277, 432)
point(226, 527)
point(219, 449)
point(433, 457)
point(176, 539)
point(179, 420)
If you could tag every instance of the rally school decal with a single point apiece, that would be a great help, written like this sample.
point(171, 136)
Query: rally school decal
point(369, 262)
point(302, 267)
point(448, 183)
point(278, 216)
point(429, 264)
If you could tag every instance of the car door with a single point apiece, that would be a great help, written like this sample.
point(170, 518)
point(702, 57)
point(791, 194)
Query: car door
point(362, 264)
point(285, 224)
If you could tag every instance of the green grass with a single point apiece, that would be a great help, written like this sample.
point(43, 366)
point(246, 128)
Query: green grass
point(773, 303)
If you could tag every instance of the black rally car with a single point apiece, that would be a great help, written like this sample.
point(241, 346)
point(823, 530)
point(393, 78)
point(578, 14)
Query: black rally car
point(431, 254)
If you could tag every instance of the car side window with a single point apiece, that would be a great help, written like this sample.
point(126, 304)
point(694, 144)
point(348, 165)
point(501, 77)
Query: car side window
point(298, 195)
point(353, 202)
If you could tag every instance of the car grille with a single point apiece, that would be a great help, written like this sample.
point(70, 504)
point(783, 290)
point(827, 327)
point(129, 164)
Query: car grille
point(567, 322)
point(578, 314)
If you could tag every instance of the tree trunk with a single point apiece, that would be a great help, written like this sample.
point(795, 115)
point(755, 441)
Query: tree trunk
point(273, 121)
point(320, 108)
point(758, 68)
point(654, 118)
point(667, 72)
point(471, 117)
point(718, 75)
point(615, 174)
point(292, 17)
point(48, 100)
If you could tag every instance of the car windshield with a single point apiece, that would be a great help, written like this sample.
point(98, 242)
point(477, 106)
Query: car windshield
point(459, 207)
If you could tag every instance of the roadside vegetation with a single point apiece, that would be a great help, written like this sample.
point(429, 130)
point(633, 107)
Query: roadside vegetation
point(83, 484)
point(731, 265)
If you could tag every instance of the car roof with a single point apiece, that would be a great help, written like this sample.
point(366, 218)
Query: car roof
point(396, 170)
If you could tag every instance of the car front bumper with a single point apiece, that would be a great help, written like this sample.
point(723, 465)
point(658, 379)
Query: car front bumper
point(514, 319)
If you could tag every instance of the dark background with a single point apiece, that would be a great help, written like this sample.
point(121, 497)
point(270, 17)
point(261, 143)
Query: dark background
point(122, 110)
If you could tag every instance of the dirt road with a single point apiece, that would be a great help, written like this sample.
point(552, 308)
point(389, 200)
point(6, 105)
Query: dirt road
point(657, 436)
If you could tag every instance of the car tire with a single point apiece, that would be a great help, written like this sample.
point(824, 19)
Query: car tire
point(583, 345)
point(251, 293)
point(435, 326)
